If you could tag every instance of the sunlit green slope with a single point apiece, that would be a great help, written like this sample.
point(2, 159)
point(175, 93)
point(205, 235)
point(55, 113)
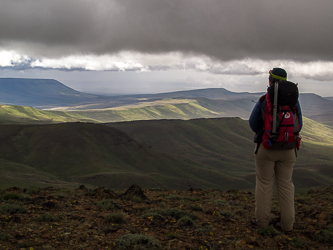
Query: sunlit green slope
point(28, 115)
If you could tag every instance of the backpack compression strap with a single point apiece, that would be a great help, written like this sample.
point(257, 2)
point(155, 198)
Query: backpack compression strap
point(262, 99)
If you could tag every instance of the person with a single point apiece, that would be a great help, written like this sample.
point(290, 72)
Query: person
point(273, 165)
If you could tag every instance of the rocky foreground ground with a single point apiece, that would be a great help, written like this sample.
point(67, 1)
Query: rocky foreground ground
point(82, 218)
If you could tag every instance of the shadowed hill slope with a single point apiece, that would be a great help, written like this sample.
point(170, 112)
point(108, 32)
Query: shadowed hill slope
point(101, 155)
point(175, 154)
point(217, 142)
point(226, 144)
point(20, 175)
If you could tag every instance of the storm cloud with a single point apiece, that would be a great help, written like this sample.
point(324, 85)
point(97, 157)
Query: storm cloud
point(223, 30)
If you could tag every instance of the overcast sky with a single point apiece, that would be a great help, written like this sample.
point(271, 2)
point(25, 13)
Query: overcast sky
point(151, 46)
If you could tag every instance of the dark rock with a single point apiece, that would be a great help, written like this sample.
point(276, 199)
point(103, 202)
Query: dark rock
point(11, 189)
point(312, 191)
point(194, 189)
point(49, 204)
point(82, 187)
point(134, 191)
point(104, 193)
point(233, 191)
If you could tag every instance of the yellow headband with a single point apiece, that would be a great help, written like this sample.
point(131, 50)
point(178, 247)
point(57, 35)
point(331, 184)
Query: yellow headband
point(277, 77)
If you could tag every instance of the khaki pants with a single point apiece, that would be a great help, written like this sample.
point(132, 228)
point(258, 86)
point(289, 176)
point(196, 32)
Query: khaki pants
point(274, 165)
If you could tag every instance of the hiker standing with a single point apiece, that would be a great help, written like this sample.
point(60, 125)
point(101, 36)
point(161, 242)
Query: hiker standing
point(275, 163)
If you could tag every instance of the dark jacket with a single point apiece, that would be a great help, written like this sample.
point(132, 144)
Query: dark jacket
point(256, 120)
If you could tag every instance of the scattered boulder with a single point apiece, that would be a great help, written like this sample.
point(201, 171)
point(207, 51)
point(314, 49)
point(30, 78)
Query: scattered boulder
point(13, 189)
point(104, 193)
point(134, 191)
point(82, 188)
point(194, 189)
point(49, 205)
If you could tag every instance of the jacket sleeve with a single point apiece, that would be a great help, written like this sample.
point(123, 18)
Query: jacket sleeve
point(256, 120)
point(299, 113)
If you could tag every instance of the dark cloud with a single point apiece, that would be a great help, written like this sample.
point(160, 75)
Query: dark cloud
point(226, 30)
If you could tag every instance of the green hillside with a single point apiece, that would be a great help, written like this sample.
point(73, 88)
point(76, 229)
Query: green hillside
point(156, 107)
point(27, 115)
point(161, 109)
point(16, 174)
point(317, 133)
point(175, 154)
point(171, 109)
point(226, 145)
point(100, 155)
point(168, 109)
point(326, 118)
point(215, 142)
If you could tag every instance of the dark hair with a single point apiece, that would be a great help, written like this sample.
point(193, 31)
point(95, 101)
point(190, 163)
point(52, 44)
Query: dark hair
point(271, 79)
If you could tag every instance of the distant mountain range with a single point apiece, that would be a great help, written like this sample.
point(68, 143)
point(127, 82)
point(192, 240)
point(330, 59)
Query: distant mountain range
point(52, 95)
point(41, 93)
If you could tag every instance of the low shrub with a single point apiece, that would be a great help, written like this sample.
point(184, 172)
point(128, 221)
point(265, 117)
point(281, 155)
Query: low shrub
point(179, 213)
point(185, 222)
point(11, 196)
point(174, 197)
point(195, 208)
point(4, 236)
point(12, 209)
point(25, 244)
point(268, 231)
point(156, 189)
point(25, 197)
point(329, 218)
point(171, 212)
point(48, 217)
point(161, 195)
point(227, 214)
point(33, 190)
point(303, 199)
point(154, 216)
point(193, 198)
point(298, 242)
point(108, 204)
point(115, 218)
point(325, 235)
point(60, 195)
point(173, 235)
point(137, 199)
point(138, 242)
point(221, 203)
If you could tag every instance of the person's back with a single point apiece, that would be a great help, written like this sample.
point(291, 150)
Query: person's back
point(273, 165)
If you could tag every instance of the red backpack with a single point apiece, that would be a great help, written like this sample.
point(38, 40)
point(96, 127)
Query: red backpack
point(283, 131)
